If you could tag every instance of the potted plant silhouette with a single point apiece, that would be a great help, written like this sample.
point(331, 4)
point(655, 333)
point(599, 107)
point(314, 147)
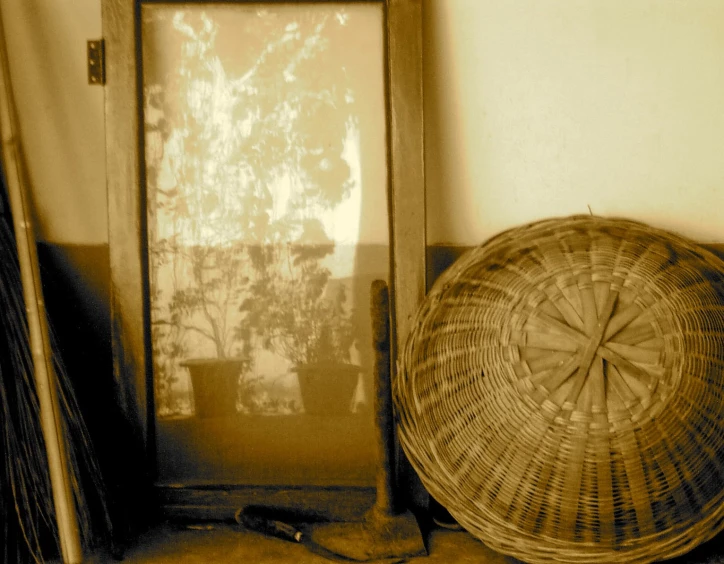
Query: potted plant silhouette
point(302, 316)
point(205, 306)
point(327, 380)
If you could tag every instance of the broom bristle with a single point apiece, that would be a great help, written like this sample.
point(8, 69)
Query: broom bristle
point(28, 531)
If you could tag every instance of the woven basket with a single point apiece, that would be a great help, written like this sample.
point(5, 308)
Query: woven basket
point(561, 392)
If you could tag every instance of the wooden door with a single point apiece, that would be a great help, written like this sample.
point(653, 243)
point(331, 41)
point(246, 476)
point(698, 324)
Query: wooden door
point(248, 144)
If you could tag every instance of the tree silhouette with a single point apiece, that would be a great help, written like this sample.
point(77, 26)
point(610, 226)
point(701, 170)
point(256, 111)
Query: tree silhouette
point(246, 118)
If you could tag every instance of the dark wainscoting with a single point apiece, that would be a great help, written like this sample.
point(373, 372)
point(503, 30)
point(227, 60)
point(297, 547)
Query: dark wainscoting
point(76, 291)
point(76, 285)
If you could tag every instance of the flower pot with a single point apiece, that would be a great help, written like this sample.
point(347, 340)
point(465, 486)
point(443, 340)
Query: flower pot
point(327, 388)
point(215, 384)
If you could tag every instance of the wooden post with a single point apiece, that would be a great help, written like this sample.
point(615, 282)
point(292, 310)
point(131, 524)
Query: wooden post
point(384, 422)
point(45, 377)
point(407, 180)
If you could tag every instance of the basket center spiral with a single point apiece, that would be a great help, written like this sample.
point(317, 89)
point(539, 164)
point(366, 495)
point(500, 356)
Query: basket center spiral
point(595, 355)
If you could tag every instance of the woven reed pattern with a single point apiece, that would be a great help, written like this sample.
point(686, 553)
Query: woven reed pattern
point(561, 392)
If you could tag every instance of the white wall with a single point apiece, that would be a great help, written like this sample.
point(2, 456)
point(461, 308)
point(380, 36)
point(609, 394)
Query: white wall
point(535, 108)
point(61, 115)
point(541, 108)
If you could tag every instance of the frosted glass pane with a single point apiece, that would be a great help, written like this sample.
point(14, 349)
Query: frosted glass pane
point(266, 180)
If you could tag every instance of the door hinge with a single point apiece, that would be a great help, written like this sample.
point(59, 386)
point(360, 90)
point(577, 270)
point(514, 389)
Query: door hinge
point(96, 62)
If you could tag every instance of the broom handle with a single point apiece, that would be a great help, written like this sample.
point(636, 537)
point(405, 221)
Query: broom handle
point(384, 428)
point(45, 378)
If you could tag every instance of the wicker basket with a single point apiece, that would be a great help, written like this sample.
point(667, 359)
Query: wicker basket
point(561, 392)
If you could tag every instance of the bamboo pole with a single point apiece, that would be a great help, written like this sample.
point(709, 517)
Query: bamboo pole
point(45, 378)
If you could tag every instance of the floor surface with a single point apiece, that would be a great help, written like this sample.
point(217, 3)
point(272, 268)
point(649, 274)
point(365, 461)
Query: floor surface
point(224, 543)
point(220, 543)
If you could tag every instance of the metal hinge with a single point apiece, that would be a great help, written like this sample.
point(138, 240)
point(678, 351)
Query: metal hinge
point(96, 62)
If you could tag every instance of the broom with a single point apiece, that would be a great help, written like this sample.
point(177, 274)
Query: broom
point(37, 413)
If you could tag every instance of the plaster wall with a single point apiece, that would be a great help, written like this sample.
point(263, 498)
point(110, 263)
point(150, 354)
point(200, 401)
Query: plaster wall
point(533, 109)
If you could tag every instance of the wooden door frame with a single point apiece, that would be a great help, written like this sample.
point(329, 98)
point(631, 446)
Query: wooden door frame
point(129, 286)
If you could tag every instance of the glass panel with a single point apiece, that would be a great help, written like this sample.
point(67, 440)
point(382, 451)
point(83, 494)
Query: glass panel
point(266, 177)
